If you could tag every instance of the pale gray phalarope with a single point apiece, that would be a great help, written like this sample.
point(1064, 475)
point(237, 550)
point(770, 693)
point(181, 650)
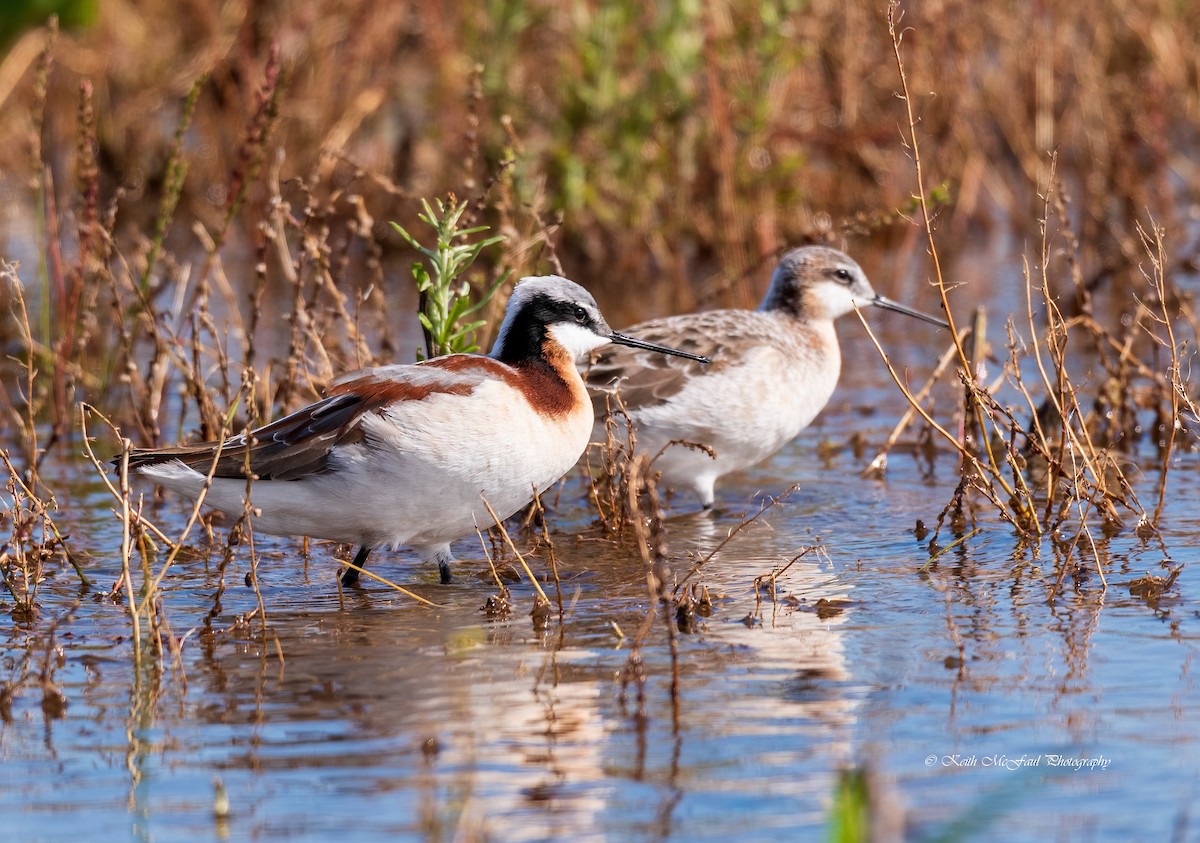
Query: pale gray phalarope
point(775, 369)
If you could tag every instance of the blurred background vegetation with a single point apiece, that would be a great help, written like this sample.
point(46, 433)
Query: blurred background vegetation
point(672, 148)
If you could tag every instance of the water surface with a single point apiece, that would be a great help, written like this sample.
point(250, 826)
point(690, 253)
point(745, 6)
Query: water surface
point(971, 693)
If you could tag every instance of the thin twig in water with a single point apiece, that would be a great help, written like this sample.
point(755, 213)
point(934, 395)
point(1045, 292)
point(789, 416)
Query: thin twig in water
point(392, 585)
point(745, 522)
point(536, 585)
point(878, 466)
point(541, 517)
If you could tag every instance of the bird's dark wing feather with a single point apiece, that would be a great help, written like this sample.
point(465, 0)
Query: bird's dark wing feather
point(290, 447)
point(299, 444)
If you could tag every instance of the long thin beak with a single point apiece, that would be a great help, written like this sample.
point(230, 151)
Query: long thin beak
point(634, 342)
point(888, 304)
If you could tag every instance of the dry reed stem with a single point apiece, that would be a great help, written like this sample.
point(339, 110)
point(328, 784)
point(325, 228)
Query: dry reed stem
point(491, 564)
point(942, 551)
point(1155, 248)
point(650, 534)
point(41, 512)
point(152, 587)
point(653, 584)
point(1061, 392)
point(640, 484)
point(247, 516)
point(893, 15)
point(536, 585)
point(878, 466)
point(22, 528)
point(120, 494)
point(540, 512)
point(26, 423)
point(392, 585)
point(981, 468)
point(616, 454)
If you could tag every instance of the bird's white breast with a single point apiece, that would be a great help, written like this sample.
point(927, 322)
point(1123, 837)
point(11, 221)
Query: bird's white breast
point(429, 464)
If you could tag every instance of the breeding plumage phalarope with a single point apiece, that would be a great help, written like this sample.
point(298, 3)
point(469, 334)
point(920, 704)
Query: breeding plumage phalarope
point(407, 454)
point(775, 369)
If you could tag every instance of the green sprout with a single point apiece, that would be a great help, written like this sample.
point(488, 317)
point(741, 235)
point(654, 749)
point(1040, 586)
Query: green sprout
point(445, 299)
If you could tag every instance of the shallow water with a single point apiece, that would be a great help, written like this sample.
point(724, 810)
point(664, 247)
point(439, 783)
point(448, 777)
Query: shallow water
point(385, 719)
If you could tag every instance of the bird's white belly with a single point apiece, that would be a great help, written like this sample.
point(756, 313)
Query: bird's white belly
point(431, 498)
point(744, 413)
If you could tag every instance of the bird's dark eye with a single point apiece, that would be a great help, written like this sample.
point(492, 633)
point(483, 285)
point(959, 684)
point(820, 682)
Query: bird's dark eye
point(842, 275)
point(581, 315)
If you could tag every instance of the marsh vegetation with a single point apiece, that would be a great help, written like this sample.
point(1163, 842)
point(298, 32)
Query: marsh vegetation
point(980, 550)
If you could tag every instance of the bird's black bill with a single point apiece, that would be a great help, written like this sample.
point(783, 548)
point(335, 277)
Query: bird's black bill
point(888, 304)
point(633, 342)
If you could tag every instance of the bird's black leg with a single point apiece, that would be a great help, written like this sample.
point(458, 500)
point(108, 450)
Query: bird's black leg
point(350, 576)
point(443, 560)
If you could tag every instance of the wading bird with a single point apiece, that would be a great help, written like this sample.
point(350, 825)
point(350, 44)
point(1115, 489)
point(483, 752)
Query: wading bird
point(776, 368)
point(407, 454)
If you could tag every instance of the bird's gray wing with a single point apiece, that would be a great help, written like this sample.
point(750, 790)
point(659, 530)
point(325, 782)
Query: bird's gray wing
point(645, 378)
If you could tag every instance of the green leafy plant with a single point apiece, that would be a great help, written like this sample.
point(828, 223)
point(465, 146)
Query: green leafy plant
point(850, 815)
point(445, 301)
